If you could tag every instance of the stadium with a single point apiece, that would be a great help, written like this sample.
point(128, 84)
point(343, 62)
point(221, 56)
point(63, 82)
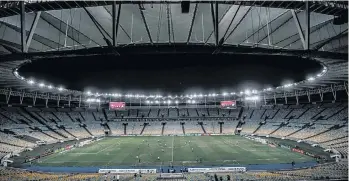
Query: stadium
point(173, 90)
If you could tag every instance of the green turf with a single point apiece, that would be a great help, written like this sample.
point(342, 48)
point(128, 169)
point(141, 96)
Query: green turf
point(213, 150)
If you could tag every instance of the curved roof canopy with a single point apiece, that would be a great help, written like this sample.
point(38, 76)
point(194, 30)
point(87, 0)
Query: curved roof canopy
point(264, 26)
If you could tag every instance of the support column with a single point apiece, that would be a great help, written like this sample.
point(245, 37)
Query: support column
point(34, 99)
point(80, 101)
point(8, 96)
point(47, 97)
point(334, 93)
point(274, 99)
point(58, 99)
point(265, 101)
point(21, 98)
point(297, 99)
point(346, 88)
point(69, 100)
point(285, 97)
point(321, 94)
point(309, 100)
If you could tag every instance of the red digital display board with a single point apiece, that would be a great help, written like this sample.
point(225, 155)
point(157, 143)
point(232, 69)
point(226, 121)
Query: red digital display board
point(228, 104)
point(117, 105)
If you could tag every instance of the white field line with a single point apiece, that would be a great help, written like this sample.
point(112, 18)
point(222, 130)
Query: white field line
point(106, 148)
point(172, 146)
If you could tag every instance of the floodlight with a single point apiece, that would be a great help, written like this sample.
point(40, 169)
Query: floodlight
point(41, 85)
point(147, 102)
point(269, 89)
point(241, 92)
point(224, 93)
point(247, 92)
point(61, 88)
point(164, 102)
point(193, 101)
point(157, 102)
point(169, 102)
point(319, 75)
point(176, 102)
point(31, 81)
point(311, 78)
point(50, 86)
point(252, 98)
point(188, 101)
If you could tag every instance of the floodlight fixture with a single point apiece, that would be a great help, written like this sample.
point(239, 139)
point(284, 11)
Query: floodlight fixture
point(311, 79)
point(193, 101)
point(31, 81)
point(50, 86)
point(61, 88)
point(41, 85)
point(176, 102)
point(169, 102)
point(157, 102)
point(247, 92)
point(224, 93)
point(252, 98)
point(147, 101)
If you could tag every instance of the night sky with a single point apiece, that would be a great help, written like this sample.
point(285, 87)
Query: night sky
point(175, 73)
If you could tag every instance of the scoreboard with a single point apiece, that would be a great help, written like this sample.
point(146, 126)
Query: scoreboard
point(228, 104)
point(117, 105)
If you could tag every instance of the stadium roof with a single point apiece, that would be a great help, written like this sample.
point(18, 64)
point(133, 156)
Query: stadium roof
point(83, 28)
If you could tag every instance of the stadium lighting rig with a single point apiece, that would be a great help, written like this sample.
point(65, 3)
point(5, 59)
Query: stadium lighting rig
point(92, 100)
point(246, 92)
point(31, 82)
point(252, 98)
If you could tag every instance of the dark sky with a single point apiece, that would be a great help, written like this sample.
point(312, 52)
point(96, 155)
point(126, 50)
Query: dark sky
point(171, 73)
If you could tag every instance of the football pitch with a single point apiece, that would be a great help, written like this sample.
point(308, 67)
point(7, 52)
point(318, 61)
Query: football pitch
point(172, 150)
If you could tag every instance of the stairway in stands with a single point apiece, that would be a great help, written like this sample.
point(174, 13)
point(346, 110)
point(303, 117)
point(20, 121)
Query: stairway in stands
point(144, 125)
point(261, 124)
point(330, 129)
point(183, 128)
point(163, 128)
point(125, 126)
point(282, 124)
point(88, 131)
point(221, 127)
point(303, 127)
point(27, 138)
point(334, 139)
point(202, 126)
